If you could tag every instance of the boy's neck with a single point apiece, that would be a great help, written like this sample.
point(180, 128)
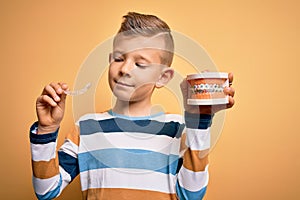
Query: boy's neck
point(133, 109)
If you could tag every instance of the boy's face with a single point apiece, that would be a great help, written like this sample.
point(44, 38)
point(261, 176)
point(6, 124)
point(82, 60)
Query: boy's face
point(135, 67)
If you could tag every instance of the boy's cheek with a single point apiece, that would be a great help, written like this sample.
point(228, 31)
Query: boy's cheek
point(149, 75)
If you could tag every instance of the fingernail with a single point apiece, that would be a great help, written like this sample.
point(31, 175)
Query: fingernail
point(57, 98)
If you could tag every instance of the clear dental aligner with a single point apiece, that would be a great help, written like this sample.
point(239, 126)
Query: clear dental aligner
point(207, 88)
point(79, 92)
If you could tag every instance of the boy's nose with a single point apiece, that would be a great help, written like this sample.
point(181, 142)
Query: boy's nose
point(127, 67)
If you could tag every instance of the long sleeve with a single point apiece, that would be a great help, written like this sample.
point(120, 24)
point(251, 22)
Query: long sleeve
point(193, 175)
point(52, 170)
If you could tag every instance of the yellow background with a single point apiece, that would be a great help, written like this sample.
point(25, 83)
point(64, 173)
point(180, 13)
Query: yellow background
point(257, 156)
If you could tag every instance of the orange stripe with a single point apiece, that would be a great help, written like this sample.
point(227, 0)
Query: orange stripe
point(195, 160)
point(74, 135)
point(182, 142)
point(125, 194)
point(45, 169)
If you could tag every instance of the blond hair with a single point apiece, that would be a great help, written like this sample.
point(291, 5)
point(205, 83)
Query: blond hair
point(136, 24)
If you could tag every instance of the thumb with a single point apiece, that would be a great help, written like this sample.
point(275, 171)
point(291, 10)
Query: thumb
point(184, 90)
point(62, 101)
point(62, 96)
point(184, 87)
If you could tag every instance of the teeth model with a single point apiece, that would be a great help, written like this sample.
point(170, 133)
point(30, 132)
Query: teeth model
point(211, 88)
point(207, 88)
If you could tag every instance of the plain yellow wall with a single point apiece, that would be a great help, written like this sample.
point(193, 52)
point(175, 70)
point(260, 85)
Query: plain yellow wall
point(257, 155)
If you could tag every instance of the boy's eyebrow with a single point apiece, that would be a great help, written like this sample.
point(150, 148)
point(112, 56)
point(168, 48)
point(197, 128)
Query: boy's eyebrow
point(142, 57)
point(117, 52)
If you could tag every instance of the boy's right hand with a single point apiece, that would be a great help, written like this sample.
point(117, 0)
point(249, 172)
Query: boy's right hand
point(50, 107)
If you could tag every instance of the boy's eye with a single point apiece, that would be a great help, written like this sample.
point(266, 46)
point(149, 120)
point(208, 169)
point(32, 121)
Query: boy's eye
point(118, 59)
point(141, 65)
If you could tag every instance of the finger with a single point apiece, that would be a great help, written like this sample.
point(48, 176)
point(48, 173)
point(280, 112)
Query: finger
point(230, 78)
point(64, 86)
point(229, 91)
point(63, 95)
point(203, 71)
point(45, 99)
point(184, 85)
point(57, 87)
point(50, 91)
point(230, 102)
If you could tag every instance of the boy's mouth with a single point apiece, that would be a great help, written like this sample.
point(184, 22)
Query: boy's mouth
point(123, 84)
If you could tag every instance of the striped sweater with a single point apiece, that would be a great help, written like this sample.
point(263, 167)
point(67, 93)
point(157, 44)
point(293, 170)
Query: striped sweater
point(117, 157)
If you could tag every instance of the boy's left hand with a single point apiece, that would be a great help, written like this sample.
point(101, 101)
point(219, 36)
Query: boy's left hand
point(207, 109)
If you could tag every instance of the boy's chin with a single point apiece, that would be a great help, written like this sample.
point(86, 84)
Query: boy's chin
point(126, 98)
point(122, 96)
point(122, 99)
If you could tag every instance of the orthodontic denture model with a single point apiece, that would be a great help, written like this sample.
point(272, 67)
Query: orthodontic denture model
point(207, 88)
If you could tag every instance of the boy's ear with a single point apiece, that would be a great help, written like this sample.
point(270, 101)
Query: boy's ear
point(166, 75)
point(110, 59)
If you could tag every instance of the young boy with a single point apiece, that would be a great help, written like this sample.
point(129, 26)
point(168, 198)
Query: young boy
point(128, 152)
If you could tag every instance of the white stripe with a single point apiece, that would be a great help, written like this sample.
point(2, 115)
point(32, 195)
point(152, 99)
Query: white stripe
point(158, 143)
point(198, 139)
point(70, 148)
point(95, 116)
point(43, 152)
point(66, 178)
point(193, 181)
point(128, 178)
point(42, 186)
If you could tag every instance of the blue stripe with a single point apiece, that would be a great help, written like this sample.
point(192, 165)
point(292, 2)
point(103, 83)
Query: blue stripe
point(198, 121)
point(171, 129)
point(185, 194)
point(69, 164)
point(179, 165)
point(51, 194)
point(128, 158)
point(43, 138)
